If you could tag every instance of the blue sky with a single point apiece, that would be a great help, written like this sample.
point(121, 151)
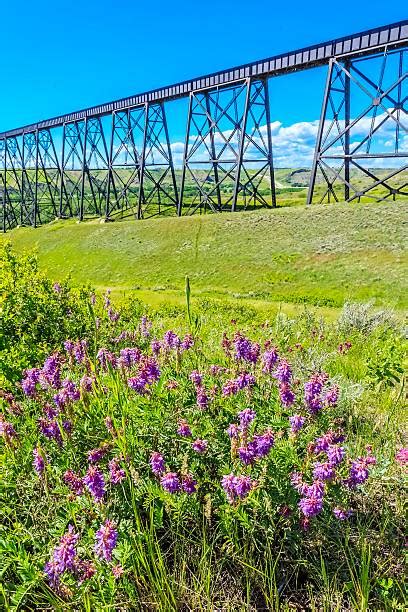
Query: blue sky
point(60, 57)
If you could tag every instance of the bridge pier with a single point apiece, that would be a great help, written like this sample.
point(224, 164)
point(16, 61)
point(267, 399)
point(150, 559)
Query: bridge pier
point(362, 115)
point(228, 149)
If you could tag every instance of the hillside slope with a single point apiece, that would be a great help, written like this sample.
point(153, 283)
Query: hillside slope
point(322, 255)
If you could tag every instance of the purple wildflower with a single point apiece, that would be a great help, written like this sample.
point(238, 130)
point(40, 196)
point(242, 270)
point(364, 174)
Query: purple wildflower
point(246, 417)
point(311, 506)
point(145, 326)
point(149, 372)
point(246, 454)
point(51, 430)
point(233, 431)
point(243, 485)
point(283, 372)
point(402, 456)
point(38, 461)
point(69, 347)
point(106, 539)
point(74, 482)
point(138, 384)
point(342, 514)
point(215, 370)
point(335, 454)
point(202, 398)
point(29, 382)
point(170, 482)
point(196, 377)
point(79, 350)
point(184, 429)
point(157, 463)
point(296, 479)
point(51, 569)
point(149, 369)
point(230, 388)
point(116, 473)
point(316, 489)
point(64, 556)
point(269, 360)
point(113, 315)
point(323, 471)
point(50, 411)
point(296, 422)
point(171, 340)
point(95, 483)
point(156, 347)
point(187, 343)
point(50, 373)
point(262, 443)
point(7, 431)
point(287, 397)
point(330, 437)
point(67, 426)
point(97, 454)
point(313, 389)
point(359, 471)
point(68, 393)
point(245, 380)
point(200, 446)
point(86, 383)
point(189, 485)
point(128, 357)
point(106, 358)
point(246, 350)
point(332, 396)
point(236, 486)
point(228, 484)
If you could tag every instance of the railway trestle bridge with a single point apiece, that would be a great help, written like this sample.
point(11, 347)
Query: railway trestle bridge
point(117, 159)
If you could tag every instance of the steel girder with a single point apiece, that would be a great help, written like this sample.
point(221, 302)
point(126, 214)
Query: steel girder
point(361, 148)
point(359, 44)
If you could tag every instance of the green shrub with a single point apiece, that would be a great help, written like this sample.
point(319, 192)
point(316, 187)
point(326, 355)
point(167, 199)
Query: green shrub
point(36, 315)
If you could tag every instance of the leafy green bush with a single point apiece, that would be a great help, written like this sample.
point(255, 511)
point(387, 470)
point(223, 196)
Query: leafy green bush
point(36, 315)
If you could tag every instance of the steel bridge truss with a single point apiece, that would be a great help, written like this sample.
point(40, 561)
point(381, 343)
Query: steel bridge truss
point(362, 149)
point(117, 159)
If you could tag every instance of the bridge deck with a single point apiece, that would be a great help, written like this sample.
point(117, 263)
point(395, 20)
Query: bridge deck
point(362, 43)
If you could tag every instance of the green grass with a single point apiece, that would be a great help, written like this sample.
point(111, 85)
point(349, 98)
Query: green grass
point(322, 256)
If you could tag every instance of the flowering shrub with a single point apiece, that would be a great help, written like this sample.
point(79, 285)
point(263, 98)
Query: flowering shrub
point(142, 440)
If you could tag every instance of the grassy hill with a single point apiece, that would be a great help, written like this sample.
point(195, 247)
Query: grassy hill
point(323, 255)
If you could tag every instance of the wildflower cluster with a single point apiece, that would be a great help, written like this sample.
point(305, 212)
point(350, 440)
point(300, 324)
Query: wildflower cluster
point(141, 417)
point(65, 557)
